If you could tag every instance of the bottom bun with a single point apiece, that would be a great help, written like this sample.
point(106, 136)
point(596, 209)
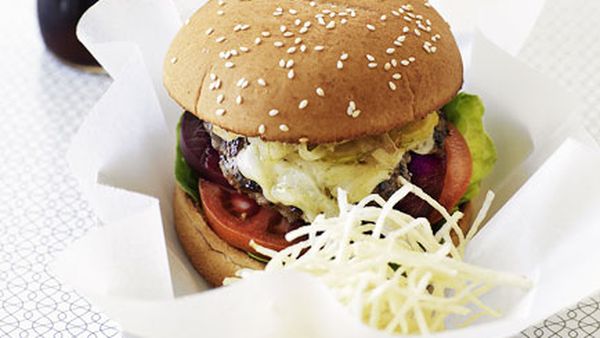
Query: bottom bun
point(216, 260)
point(211, 256)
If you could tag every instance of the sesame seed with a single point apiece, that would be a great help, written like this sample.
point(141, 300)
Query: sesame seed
point(312, 4)
point(262, 129)
point(291, 50)
point(213, 76)
point(405, 62)
point(307, 24)
point(278, 44)
point(282, 63)
point(321, 21)
point(293, 11)
point(234, 52)
point(225, 55)
point(240, 82)
point(394, 62)
point(210, 31)
point(303, 48)
point(340, 64)
point(303, 104)
point(174, 60)
point(392, 86)
point(303, 30)
point(220, 12)
point(221, 2)
point(412, 59)
point(291, 74)
point(215, 85)
point(284, 128)
point(401, 38)
point(397, 76)
point(273, 112)
point(356, 113)
point(297, 22)
point(417, 32)
point(383, 17)
point(257, 41)
point(344, 56)
point(220, 98)
point(282, 28)
point(229, 64)
point(344, 21)
point(395, 13)
point(390, 51)
point(303, 140)
point(220, 39)
point(289, 64)
point(266, 34)
point(330, 25)
point(433, 49)
point(352, 104)
point(371, 27)
point(387, 66)
point(372, 65)
point(298, 41)
point(220, 112)
point(370, 57)
point(239, 100)
point(406, 29)
point(261, 82)
point(319, 48)
point(244, 49)
point(320, 92)
point(277, 14)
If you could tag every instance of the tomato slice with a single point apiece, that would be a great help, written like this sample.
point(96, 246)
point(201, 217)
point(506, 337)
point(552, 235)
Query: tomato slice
point(459, 168)
point(238, 219)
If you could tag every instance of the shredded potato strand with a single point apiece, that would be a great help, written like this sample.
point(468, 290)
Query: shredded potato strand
point(389, 268)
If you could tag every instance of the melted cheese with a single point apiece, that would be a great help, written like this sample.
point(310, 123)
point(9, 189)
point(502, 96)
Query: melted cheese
point(308, 179)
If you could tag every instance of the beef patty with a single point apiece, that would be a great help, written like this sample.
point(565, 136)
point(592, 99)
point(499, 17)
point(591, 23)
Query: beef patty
point(229, 150)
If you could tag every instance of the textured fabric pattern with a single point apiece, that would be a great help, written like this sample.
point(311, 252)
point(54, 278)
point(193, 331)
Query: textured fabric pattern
point(42, 103)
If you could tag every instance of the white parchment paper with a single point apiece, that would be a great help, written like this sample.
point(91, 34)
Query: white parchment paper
point(544, 225)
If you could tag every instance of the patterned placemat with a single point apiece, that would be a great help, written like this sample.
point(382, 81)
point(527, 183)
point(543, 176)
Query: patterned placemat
point(42, 103)
point(564, 46)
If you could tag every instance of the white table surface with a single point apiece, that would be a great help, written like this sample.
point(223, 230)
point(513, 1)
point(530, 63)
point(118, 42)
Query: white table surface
point(42, 103)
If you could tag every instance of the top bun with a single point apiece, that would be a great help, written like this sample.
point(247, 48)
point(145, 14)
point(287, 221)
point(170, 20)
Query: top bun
point(313, 71)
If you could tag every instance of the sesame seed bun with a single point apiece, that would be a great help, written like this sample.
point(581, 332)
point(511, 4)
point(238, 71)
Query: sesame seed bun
point(216, 260)
point(211, 256)
point(356, 69)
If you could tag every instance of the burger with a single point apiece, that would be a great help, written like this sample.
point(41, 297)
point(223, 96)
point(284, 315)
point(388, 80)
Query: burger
point(286, 102)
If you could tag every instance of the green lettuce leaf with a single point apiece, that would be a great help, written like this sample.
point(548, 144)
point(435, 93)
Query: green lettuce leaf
point(184, 174)
point(466, 113)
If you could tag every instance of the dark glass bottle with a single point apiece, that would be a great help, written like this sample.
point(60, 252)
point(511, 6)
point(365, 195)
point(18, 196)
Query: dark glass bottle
point(58, 21)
